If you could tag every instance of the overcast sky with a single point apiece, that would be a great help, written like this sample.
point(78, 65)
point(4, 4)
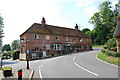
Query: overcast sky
point(19, 15)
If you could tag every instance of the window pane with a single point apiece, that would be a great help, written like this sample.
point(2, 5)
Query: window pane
point(47, 46)
point(36, 36)
point(81, 40)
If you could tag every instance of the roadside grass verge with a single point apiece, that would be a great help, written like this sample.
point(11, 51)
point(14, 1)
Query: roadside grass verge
point(98, 46)
point(109, 59)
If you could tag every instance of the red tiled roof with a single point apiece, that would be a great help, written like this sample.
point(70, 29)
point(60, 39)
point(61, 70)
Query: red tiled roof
point(54, 30)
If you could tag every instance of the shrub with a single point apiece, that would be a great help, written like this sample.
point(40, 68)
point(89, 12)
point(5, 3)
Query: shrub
point(105, 47)
point(6, 68)
point(4, 54)
point(52, 54)
point(111, 43)
point(119, 44)
point(13, 54)
point(110, 53)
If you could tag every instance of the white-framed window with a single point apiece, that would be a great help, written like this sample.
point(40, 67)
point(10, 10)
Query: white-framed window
point(81, 40)
point(47, 37)
point(87, 40)
point(22, 40)
point(57, 37)
point(27, 51)
point(36, 36)
point(36, 48)
point(66, 38)
point(47, 46)
point(57, 47)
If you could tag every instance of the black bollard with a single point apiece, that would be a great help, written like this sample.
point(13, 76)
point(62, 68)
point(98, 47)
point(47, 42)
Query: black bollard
point(27, 64)
point(20, 74)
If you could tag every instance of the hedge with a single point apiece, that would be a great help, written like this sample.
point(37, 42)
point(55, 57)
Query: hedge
point(110, 53)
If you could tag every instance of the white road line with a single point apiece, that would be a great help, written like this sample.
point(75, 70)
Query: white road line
point(105, 61)
point(86, 69)
point(40, 66)
point(74, 58)
point(40, 75)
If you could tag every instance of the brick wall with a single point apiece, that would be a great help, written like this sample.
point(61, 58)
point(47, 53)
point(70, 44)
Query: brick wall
point(30, 43)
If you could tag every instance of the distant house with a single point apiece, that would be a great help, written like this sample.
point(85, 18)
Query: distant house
point(44, 40)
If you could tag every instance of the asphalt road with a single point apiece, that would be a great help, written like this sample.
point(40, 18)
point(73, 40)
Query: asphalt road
point(76, 65)
point(79, 65)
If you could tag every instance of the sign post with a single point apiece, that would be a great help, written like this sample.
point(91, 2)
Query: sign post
point(27, 63)
point(0, 60)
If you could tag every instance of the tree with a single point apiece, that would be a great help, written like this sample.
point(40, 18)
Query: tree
point(1, 31)
point(85, 30)
point(15, 44)
point(104, 22)
point(6, 47)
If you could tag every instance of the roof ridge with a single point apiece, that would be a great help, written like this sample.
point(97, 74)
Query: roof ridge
point(55, 26)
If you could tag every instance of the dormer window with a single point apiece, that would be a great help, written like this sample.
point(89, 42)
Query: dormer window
point(57, 38)
point(81, 40)
point(47, 37)
point(36, 36)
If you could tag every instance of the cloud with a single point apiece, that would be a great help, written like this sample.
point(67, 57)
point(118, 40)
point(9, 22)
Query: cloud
point(91, 6)
point(84, 3)
point(90, 11)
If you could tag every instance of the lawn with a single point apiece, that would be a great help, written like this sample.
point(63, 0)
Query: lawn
point(109, 59)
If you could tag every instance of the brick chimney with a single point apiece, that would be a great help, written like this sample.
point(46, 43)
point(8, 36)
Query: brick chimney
point(76, 27)
point(43, 22)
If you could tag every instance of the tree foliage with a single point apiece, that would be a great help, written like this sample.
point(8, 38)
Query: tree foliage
point(104, 22)
point(85, 30)
point(1, 31)
point(6, 47)
point(15, 44)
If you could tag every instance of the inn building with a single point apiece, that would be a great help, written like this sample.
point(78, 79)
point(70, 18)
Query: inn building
point(46, 40)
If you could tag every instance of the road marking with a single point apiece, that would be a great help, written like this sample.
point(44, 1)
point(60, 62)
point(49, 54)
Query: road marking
point(86, 69)
point(31, 74)
point(105, 61)
point(40, 72)
point(74, 58)
point(40, 66)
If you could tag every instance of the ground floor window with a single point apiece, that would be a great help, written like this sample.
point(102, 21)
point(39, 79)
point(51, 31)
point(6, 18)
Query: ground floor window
point(47, 47)
point(57, 47)
point(36, 48)
point(78, 47)
point(87, 46)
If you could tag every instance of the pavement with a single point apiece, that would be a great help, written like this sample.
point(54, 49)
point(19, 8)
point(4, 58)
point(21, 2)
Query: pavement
point(26, 74)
